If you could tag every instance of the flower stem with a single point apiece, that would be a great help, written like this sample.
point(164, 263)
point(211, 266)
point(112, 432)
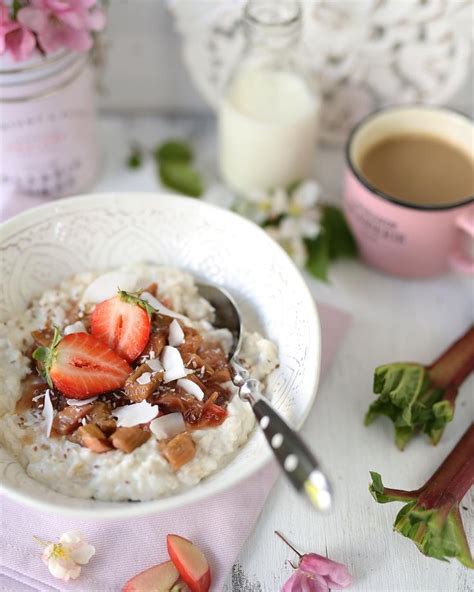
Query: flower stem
point(287, 543)
point(40, 541)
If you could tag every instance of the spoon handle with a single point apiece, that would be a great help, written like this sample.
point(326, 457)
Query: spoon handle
point(295, 458)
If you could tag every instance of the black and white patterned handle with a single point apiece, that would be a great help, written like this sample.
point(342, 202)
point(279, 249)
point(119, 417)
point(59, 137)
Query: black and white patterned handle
point(295, 458)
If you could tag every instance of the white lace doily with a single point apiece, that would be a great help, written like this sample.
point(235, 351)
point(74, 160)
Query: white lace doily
point(365, 54)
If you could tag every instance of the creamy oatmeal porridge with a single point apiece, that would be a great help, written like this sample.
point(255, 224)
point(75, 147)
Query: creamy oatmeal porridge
point(123, 395)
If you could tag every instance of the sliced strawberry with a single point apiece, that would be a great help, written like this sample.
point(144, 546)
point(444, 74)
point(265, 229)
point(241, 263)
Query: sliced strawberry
point(82, 366)
point(123, 323)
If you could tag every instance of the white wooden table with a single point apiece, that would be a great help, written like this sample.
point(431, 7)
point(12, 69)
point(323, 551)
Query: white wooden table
point(392, 320)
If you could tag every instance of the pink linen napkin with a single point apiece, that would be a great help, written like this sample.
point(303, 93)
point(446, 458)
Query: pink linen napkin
point(219, 525)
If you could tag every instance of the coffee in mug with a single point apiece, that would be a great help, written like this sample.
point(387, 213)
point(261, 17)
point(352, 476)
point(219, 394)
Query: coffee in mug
point(409, 190)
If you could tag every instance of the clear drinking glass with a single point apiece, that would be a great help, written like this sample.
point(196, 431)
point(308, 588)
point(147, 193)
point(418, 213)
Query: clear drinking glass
point(269, 112)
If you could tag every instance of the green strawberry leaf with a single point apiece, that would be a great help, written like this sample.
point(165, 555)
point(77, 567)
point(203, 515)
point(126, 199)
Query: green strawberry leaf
point(46, 356)
point(136, 300)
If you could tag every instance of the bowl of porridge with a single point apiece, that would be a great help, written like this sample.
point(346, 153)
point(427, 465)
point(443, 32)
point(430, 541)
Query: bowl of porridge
point(116, 396)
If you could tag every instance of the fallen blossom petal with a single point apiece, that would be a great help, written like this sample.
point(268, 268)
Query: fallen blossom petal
point(336, 574)
point(302, 581)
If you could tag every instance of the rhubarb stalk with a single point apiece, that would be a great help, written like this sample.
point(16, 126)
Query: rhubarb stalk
point(422, 398)
point(431, 518)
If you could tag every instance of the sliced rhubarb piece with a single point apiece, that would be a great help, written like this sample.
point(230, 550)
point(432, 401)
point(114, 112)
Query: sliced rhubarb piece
point(138, 390)
point(179, 450)
point(127, 439)
point(92, 437)
point(69, 419)
point(191, 563)
point(102, 417)
point(159, 578)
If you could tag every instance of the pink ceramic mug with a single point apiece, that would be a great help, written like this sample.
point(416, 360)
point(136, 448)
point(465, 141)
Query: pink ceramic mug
point(397, 237)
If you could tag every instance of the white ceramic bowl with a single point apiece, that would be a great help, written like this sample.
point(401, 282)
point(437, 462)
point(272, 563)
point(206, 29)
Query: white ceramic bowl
point(42, 246)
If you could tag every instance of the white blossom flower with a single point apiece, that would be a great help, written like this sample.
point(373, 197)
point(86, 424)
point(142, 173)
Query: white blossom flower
point(299, 219)
point(64, 559)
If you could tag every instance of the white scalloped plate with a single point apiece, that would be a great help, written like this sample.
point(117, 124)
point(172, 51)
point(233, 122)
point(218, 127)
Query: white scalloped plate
point(42, 246)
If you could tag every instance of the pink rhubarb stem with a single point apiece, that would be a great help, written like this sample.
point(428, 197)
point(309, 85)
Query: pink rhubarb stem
point(449, 484)
point(455, 364)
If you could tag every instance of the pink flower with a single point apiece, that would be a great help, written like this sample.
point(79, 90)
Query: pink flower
point(302, 581)
point(14, 37)
point(63, 24)
point(335, 574)
point(316, 573)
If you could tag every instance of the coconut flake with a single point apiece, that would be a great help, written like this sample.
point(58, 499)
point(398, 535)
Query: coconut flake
point(144, 378)
point(154, 365)
point(80, 402)
point(161, 308)
point(176, 334)
point(48, 412)
point(191, 388)
point(106, 285)
point(172, 363)
point(135, 414)
point(77, 327)
point(167, 426)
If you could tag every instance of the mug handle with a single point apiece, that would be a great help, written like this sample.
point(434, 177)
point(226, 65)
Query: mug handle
point(460, 260)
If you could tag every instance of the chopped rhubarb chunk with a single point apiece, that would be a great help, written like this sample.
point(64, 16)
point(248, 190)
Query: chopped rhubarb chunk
point(179, 450)
point(127, 439)
point(156, 343)
point(136, 391)
point(102, 417)
point(32, 387)
point(92, 437)
point(68, 420)
point(192, 341)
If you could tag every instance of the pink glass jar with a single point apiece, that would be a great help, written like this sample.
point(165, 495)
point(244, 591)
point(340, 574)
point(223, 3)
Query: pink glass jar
point(48, 129)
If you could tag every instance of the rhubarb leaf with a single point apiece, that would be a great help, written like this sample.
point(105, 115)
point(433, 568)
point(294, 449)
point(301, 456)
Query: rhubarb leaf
point(409, 399)
point(430, 516)
point(419, 398)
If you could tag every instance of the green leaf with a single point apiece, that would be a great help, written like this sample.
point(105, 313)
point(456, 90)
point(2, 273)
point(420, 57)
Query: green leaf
point(41, 354)
point(318, 256)
point(181, 177)
point(175, 151)
point(136, 300)
point(341, 243)
point(46, 356)
point(435, 533)
point(135, 158)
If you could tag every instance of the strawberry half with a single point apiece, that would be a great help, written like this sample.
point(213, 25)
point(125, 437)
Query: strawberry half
point(79, 366)
point(123, 323)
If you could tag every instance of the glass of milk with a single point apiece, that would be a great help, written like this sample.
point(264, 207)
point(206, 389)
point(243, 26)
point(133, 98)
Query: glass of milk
point(269, 112)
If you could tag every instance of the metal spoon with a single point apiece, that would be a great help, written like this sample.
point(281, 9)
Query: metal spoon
point(297, 461)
